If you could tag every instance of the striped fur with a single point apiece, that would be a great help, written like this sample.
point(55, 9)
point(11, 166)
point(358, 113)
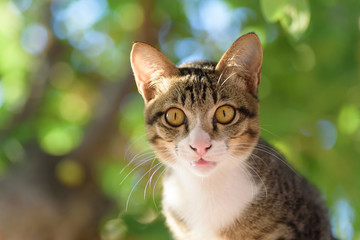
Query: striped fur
point(251, 193)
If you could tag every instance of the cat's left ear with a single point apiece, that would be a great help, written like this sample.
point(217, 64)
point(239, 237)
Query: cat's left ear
point(243, 58)
point(150, 66)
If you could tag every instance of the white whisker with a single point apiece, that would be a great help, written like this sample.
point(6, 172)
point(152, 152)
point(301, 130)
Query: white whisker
point(276, 155)
point(268, 150)
point(269, 132)
point(254, 170)
point(150, 179)
point(250, 178)
point(136, 167)
point(228, 78)
point(133, 188)
point(153, 194)
point(218, 81)
point(137, 156)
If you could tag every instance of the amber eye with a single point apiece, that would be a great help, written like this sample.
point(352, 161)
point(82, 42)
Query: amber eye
point(175, 117)
point(225, 114)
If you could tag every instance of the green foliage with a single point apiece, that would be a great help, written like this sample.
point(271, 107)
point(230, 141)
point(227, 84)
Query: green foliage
point(52, 95)
point(293, 15)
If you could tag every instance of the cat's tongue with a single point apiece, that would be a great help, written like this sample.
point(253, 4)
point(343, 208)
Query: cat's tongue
point(202, 163)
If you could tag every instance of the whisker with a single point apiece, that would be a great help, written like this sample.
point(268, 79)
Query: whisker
point(274, 154)
point(270, 132)
point(152, 163)
point(153, 193)
point(227, 78)
point(147, 156)
point(133, 188)
point(218, 81)
point(136, 167)
point(268, 150)
point(251, 180)
point(245, 167)
point(243, 143)
point(134, 140)
point(150, 179)
point(137, 156)
point(265, 149)
point(254, 170)
point(261, 159)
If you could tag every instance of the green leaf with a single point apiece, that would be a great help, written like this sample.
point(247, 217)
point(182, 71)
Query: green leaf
point(296, 18)
point(273, 10)
point(58, 138)
point(293, 15)
point(349, 119)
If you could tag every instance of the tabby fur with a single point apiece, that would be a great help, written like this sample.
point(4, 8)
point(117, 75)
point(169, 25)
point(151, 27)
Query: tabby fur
point(252, 193)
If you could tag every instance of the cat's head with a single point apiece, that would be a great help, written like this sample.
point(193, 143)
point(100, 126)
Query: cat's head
point(201, 116)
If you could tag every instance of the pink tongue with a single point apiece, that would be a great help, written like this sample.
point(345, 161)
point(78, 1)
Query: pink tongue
point(201, 162)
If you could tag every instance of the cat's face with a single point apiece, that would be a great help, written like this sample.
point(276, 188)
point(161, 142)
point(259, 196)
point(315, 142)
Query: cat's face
point(198, 123)
point(200, 117)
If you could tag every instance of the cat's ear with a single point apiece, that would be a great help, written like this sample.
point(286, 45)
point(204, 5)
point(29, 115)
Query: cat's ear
point(244, 57)
point(149, 66)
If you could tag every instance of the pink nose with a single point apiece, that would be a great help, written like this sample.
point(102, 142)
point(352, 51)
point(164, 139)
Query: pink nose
point(201, 147)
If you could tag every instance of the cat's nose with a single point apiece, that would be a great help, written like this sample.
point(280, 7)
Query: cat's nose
point(200, 148)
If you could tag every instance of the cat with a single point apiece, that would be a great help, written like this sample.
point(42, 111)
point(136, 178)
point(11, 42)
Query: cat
point(222, 181)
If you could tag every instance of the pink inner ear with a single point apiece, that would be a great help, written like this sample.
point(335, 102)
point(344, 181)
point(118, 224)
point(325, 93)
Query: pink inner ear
point(149, 63)
point(244, 55)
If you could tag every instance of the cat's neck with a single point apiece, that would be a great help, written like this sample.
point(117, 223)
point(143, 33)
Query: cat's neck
point(226, 192)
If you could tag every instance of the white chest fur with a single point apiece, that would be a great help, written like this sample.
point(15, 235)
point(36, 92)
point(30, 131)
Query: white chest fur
point(209, 204)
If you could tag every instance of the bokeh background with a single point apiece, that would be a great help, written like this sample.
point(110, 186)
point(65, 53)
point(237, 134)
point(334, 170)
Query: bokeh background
point(71, 120)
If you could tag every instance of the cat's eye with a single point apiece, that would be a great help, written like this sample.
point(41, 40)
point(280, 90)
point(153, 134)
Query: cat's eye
point(225, 114)
point(175, 117)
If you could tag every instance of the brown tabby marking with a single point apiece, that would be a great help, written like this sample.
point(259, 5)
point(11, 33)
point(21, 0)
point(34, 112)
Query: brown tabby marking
point(237, 187)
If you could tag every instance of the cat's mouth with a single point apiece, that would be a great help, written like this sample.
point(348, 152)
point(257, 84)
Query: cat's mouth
point(202, 165)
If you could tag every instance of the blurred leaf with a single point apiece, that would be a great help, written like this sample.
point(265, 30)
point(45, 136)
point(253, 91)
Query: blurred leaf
point(62, 75)
point(10, 21)
point(74, 108)
point(296, 18)
point(59, 138)
point(114, 229)
point(14, 89)
point(273, 10)
point(349, 119)
point(110, 179)
point(14, 151)
point(132, 117)
point(70, 173)
point(294, 15)
point(132, 16)
point(306, 86)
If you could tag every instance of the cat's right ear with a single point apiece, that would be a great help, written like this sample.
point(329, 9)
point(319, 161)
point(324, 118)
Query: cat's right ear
point(149, 66)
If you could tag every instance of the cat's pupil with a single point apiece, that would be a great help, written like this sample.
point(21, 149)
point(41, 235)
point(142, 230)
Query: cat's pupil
point(175, 116)
point(224, 113)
